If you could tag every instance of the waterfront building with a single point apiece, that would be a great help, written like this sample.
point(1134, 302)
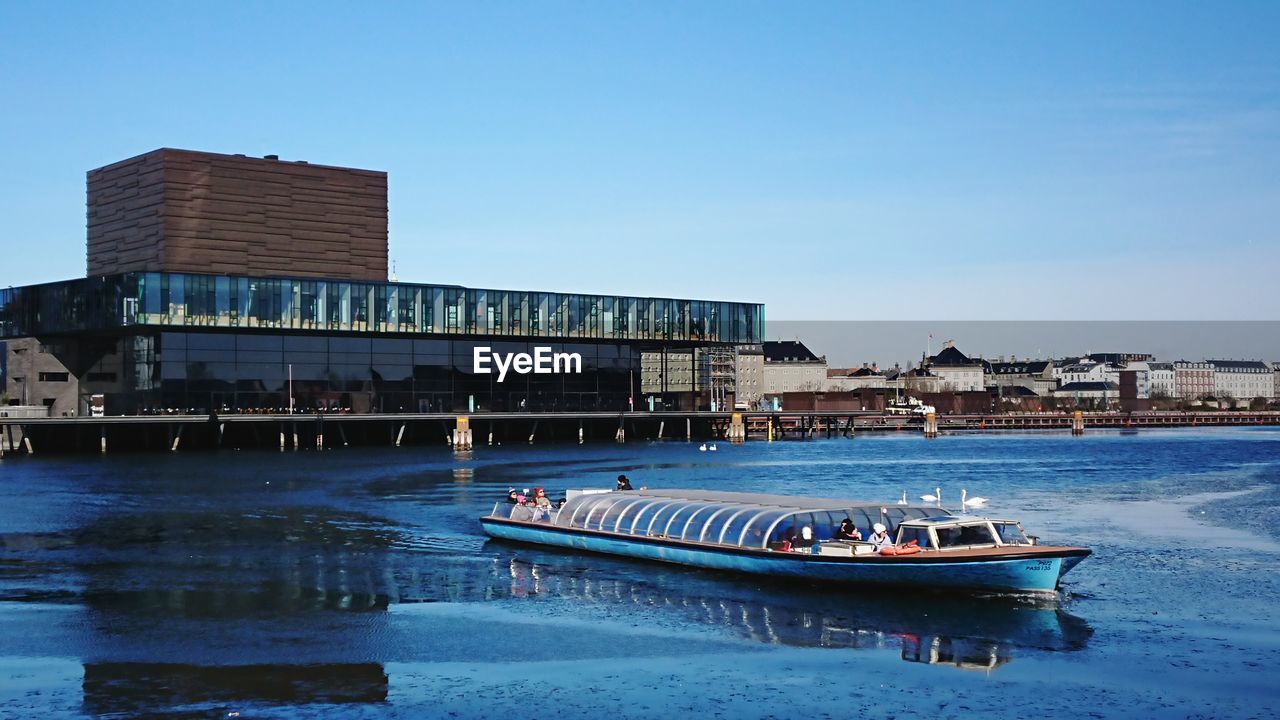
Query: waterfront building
point(1242, 379)
point(956, 371)
point(789, 366)
point(1192, 379)
point(1162, 379)
point(281, 314)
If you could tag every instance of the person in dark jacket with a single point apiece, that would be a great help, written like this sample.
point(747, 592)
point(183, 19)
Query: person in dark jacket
point(848, 531)
point(624, 483)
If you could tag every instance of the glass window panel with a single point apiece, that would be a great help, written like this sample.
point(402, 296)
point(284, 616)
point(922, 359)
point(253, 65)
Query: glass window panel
point(639, 522)
point(692, 529)
point(627, 513)
point(609, 520)
point(579, 516)
point(756, 529)
point(715, 522)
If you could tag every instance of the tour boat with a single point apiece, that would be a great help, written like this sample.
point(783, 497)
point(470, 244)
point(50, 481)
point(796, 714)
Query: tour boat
point(752, 533)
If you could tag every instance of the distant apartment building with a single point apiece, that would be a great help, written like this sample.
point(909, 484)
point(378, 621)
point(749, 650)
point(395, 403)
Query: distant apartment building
point(1242, 379)
point(1162, 379)
point(956, 371)
point(750, 371)
point(1034, 375)
point(1192, 379)
point(789, 366)
point(1275, 372)
point(1136, 376)
point(1086, 370)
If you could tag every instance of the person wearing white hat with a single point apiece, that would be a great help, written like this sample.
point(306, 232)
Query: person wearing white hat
point(880, 538)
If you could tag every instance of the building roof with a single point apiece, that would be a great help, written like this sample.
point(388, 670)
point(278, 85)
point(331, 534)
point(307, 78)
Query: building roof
point(853, 372)
point(1240, 365)
point(1026, 367)
point(951, 356)
point(777, 351)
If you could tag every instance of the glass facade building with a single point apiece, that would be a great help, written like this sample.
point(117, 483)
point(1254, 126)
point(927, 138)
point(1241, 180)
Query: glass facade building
point(153, 341)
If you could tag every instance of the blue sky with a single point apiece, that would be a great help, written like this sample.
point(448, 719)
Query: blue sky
point(833, 160)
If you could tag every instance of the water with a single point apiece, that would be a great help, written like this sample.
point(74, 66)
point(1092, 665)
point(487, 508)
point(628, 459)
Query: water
point(357, 583)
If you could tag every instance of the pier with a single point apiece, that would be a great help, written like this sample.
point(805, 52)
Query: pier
point(319, 431)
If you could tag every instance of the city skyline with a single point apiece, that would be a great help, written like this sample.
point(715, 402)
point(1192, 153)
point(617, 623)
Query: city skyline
point(833, 161)
point(851, 343)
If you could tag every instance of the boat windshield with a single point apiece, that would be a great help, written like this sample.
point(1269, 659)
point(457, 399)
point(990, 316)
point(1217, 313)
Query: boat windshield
point(1011, 533)
point(958, 536)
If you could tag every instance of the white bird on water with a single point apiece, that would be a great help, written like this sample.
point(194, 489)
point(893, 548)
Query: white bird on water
point(702, 447)
point(971, 502)
point(712, 447)
point(936, 497)
point(903, 501)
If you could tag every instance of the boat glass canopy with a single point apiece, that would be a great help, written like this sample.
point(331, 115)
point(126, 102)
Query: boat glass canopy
point(726, 518)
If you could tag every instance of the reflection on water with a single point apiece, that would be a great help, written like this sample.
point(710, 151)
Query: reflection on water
point(134, 688)
point(960, 630)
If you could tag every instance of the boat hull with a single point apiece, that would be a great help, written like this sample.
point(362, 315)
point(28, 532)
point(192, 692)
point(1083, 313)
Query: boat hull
point(1037, 571)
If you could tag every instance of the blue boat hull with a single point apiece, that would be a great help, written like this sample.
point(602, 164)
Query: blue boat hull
point(1037, 571)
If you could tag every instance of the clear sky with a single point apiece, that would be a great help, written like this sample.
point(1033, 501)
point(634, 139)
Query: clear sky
point(843, 160)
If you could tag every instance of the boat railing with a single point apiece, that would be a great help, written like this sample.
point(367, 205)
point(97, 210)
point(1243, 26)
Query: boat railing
point(525, 513)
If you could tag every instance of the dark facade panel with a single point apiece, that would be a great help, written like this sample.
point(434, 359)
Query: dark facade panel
point(183, 211)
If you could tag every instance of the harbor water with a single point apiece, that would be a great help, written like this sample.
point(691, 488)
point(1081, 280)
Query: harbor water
point(357, 583)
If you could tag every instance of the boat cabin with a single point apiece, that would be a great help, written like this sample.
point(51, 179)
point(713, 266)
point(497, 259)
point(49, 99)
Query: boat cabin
point(745, 520)
point(949, 532)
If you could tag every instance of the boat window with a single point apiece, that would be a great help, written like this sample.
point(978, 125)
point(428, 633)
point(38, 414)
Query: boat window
point(644, 516)
point(675, 524)
point(731, 527)
point(658, 523)
point(571, 507)
point(791, 526)
point(828, 523)
point(611, 515)
point(862, 520)
point(622, 523)
point(1011, 534)
point(578, 517)
point(596, 516)
point(693, 526)
point(715, 523)
point(964, 536)
point(750, 528)
point(919, 534)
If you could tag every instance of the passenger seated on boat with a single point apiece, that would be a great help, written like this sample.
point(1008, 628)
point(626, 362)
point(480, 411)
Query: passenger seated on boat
point(513, 497)
point(540, 498)
point(624, 483)
point(541, 504)
point(880, 538)
point(848, 531)
point(805, 540)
